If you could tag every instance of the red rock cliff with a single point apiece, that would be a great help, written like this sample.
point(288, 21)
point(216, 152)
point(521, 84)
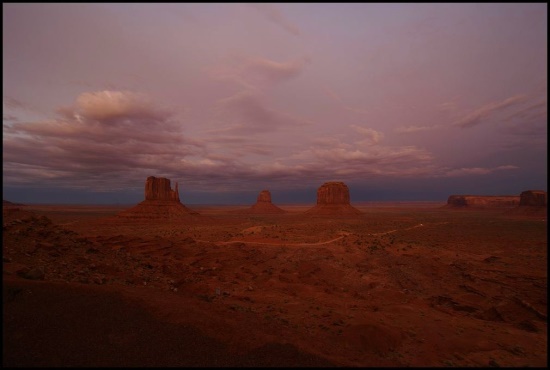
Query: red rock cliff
point(483, 201)
point(158, 188)
point(264, 197)
point(333, 193)
point(161, 203)
point(536, 198)
point(333, 200)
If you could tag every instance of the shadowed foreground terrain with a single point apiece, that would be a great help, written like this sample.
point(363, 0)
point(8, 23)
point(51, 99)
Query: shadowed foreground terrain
point(397, 285)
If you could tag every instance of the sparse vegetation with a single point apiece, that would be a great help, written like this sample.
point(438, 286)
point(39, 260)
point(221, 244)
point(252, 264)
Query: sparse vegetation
point(276, 273)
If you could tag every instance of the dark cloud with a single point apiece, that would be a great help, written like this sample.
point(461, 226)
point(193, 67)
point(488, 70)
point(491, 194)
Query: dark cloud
point(112, 140)
point(110, 135)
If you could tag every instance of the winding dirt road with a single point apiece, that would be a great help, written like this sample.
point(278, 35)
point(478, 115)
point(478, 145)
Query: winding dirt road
point(307, 244)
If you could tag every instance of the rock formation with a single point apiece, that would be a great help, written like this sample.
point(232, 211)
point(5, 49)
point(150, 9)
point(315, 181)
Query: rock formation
point(263, 205)
point(533, 198)
point(161, 202)
point(333, 199)
point(483, 201)
point(264, 197)
point(159, 189)
point(532, 203)
point(333, 193)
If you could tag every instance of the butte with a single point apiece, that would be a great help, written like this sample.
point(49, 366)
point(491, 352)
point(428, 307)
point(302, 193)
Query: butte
point(532, 203)
point(263, 205)
point(533, 198)
point(333, 199)
point(161, 203)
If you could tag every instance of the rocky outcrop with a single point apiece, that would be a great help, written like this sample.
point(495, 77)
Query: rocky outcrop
point(161, 203)
point(263, 205)
point(333, 199)
point(483, 201)
point(533, 198)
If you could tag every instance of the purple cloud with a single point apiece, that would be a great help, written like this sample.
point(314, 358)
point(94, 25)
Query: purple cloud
point(481, 114)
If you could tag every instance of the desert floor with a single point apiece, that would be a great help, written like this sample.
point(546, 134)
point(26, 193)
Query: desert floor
point(401, 285)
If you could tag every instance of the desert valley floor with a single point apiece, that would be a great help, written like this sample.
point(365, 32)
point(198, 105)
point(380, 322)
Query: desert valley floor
point(399, 285)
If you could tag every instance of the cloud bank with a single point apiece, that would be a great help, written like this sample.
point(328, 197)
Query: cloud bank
point(114, 139)
point(223, 97)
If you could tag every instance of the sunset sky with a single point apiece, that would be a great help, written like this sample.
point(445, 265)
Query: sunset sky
point(399, 101)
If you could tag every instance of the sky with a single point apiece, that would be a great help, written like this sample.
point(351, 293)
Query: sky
point(402, 102)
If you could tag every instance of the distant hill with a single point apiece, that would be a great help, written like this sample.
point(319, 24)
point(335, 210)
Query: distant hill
point(8, 203)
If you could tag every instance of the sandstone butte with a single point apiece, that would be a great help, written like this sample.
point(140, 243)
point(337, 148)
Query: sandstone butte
point(533, 198)
point(333, 199)
point(263, 205)
point(159, 189)
point(531, 203)
point(161, 202)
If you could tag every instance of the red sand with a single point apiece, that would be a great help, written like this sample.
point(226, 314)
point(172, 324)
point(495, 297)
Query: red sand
point(395, 286)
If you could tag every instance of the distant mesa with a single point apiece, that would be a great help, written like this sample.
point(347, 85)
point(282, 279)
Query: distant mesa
point(263, 205)
point(528, 202)
point(161, 202)
point(533, 198)
point(7, 203)
point(333, 199)
point(483, 201)
point(8, 206)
